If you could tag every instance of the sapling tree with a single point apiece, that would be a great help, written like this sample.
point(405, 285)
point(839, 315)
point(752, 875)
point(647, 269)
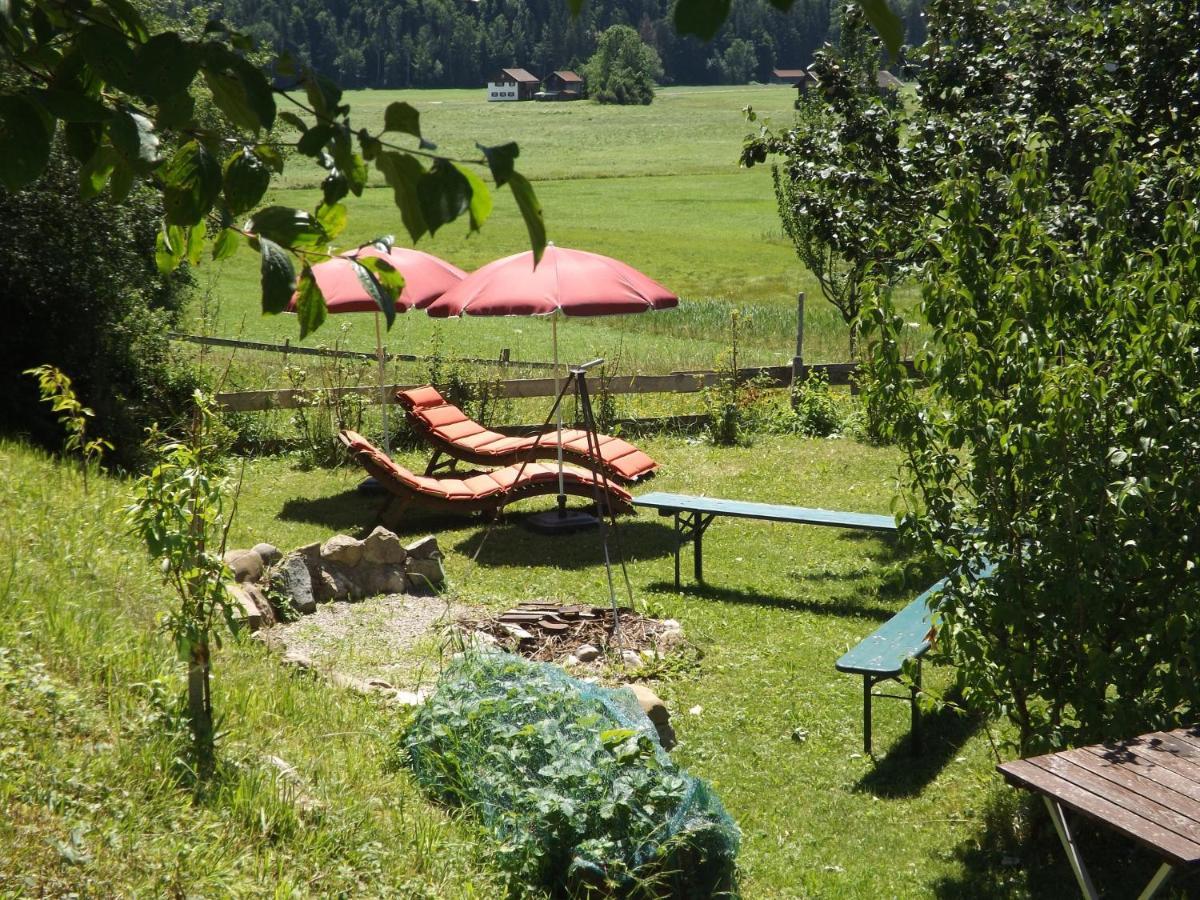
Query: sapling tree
point(55, 387)
point(183, 514)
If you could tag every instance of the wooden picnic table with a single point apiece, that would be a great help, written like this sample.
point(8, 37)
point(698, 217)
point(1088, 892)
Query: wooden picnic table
point(1147, 789)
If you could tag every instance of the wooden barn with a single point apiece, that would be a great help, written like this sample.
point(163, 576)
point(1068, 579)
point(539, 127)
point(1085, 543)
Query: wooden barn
point(562, 85)
point(512, 84)
point(797, 78)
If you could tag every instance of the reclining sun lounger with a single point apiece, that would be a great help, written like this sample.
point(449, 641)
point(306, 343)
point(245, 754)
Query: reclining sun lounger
point(484, 492)
point(450, 431)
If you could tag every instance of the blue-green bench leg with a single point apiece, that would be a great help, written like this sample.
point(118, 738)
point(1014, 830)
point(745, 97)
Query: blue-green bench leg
point(691, 525)
point(869, 683)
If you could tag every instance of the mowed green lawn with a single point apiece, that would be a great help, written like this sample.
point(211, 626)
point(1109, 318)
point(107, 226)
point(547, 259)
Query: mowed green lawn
point(656, 186)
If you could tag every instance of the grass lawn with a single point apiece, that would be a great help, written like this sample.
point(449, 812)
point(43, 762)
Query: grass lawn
point(86, 758)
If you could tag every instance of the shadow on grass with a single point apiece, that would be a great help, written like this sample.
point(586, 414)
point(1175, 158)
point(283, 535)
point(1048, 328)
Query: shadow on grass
point(510, 544)
point(900, 774)
point(350, 511)
point(833, 607)
point(1015, 852)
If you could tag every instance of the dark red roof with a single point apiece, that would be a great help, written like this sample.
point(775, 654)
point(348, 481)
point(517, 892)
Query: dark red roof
point(520, 75)
point(790, 73)
point(567, 75)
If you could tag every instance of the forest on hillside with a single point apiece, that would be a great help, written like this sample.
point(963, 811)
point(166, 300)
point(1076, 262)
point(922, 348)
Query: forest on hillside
point(459, 43)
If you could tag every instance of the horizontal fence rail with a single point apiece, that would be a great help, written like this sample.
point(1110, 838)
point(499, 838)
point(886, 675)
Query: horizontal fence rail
point(288, 348)
point(674, 383)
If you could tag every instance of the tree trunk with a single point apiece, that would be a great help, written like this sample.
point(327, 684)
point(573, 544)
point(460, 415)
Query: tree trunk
point(200, 709)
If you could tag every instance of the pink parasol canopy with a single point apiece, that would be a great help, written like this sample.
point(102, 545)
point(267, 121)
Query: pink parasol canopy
point(426, 277)
point(567, 282)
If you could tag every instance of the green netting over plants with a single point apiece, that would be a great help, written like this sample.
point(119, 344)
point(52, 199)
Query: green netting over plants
point(571, 783)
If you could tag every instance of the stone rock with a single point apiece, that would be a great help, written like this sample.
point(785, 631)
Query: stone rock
point(381, 546)
point(246, 608)
point(297, 659)
point(425, 548)
point(350, 683)
point(632, 658)
point(408, 698)
point(246, 565)
point(380, 684)
point(670, 637)
point(587, 653)
point(342, 549)
point(656, 711)
point(666, 736)
point(292, 579)
point(517, 632)
point(332, 584)
point(311, 554)
point(268, 553)
point(259, 598)
point(572, 661)
point(381, 579)
point(425, 575)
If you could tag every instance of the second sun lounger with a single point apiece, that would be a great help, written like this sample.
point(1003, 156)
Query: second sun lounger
point(485, 492)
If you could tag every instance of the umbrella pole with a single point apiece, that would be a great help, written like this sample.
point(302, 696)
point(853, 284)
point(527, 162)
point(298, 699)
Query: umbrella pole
point(562, 494)
point(382, 387)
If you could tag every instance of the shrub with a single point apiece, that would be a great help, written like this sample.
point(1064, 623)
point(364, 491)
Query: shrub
point(814, 412)
point(82, 293)
point(571, 783)
point(623, 69)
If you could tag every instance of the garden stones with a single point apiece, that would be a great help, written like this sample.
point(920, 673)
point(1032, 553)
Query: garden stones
point(656, 711)
point(341, 568)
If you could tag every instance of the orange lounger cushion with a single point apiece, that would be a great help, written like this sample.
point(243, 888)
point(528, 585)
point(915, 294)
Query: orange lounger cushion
point(451, 431)
point(481, 491)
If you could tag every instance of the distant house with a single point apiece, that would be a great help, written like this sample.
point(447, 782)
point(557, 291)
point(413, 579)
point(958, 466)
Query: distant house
point(797, 78)
point(561, 85)
point(512, 84)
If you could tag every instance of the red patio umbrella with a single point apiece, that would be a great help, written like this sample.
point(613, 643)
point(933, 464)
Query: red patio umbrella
point(426, 277)
point(565, 283)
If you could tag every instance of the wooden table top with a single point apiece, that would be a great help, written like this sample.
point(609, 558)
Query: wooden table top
point(1147, 788)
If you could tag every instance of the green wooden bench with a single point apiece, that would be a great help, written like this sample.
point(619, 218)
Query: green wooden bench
point(881, 657)
point(693, 515)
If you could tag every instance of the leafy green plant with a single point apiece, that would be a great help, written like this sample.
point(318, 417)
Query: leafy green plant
point(623, 69)
point(814, 411)
point(182, 515)
point(576, 792)
point(55, 387)
point(1058, 440)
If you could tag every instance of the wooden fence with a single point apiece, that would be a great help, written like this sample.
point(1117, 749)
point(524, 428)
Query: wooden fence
point(674, 383)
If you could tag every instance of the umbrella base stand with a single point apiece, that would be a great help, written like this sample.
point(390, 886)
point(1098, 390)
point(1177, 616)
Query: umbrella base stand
point(561, 521)
point(371, 487)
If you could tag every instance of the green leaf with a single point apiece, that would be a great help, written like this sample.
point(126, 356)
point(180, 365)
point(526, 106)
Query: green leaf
point(94, 173)
point(402, 173)
point(531, 212)
point(444, 194)
point(175, 112)
point(287, 226)
point(170, 244)
point(348, 162)
point(271, 157)
point(702, 18)
point(133, 137)
point(886, 24)
point(191, 184)
point(24, 142)
point(402, 117)
point(333, 218)
point(71, 105)
point(314, 139)
point(166, 65)
point(131, 20)
point(500, 160)
point(323, 95)
point(372, 286)
point(246, 180)
point(334, 187)
point(120, 183)
point(278, 276)
point(481, 198)
point(195, 243)
point(82, 139)
point(109, 55)
point(238, 88)
point(386, 274)
point(226, 244)
point(310, 303)
point(294, 120)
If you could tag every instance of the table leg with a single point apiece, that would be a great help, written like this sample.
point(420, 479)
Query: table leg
point(698, 549)
point(1068, 842)
point(678, 547)
point(1160, 878)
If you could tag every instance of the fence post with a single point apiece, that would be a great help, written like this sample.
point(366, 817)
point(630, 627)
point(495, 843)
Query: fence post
point(504, 356)
point(798, 359)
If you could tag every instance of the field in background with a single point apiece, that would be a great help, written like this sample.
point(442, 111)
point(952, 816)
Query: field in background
point(656, 186)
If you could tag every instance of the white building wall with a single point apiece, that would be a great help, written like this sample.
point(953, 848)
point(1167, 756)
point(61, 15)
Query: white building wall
point(502, 91)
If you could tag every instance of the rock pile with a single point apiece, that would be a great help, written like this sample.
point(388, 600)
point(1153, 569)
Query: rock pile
point(269, 585)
